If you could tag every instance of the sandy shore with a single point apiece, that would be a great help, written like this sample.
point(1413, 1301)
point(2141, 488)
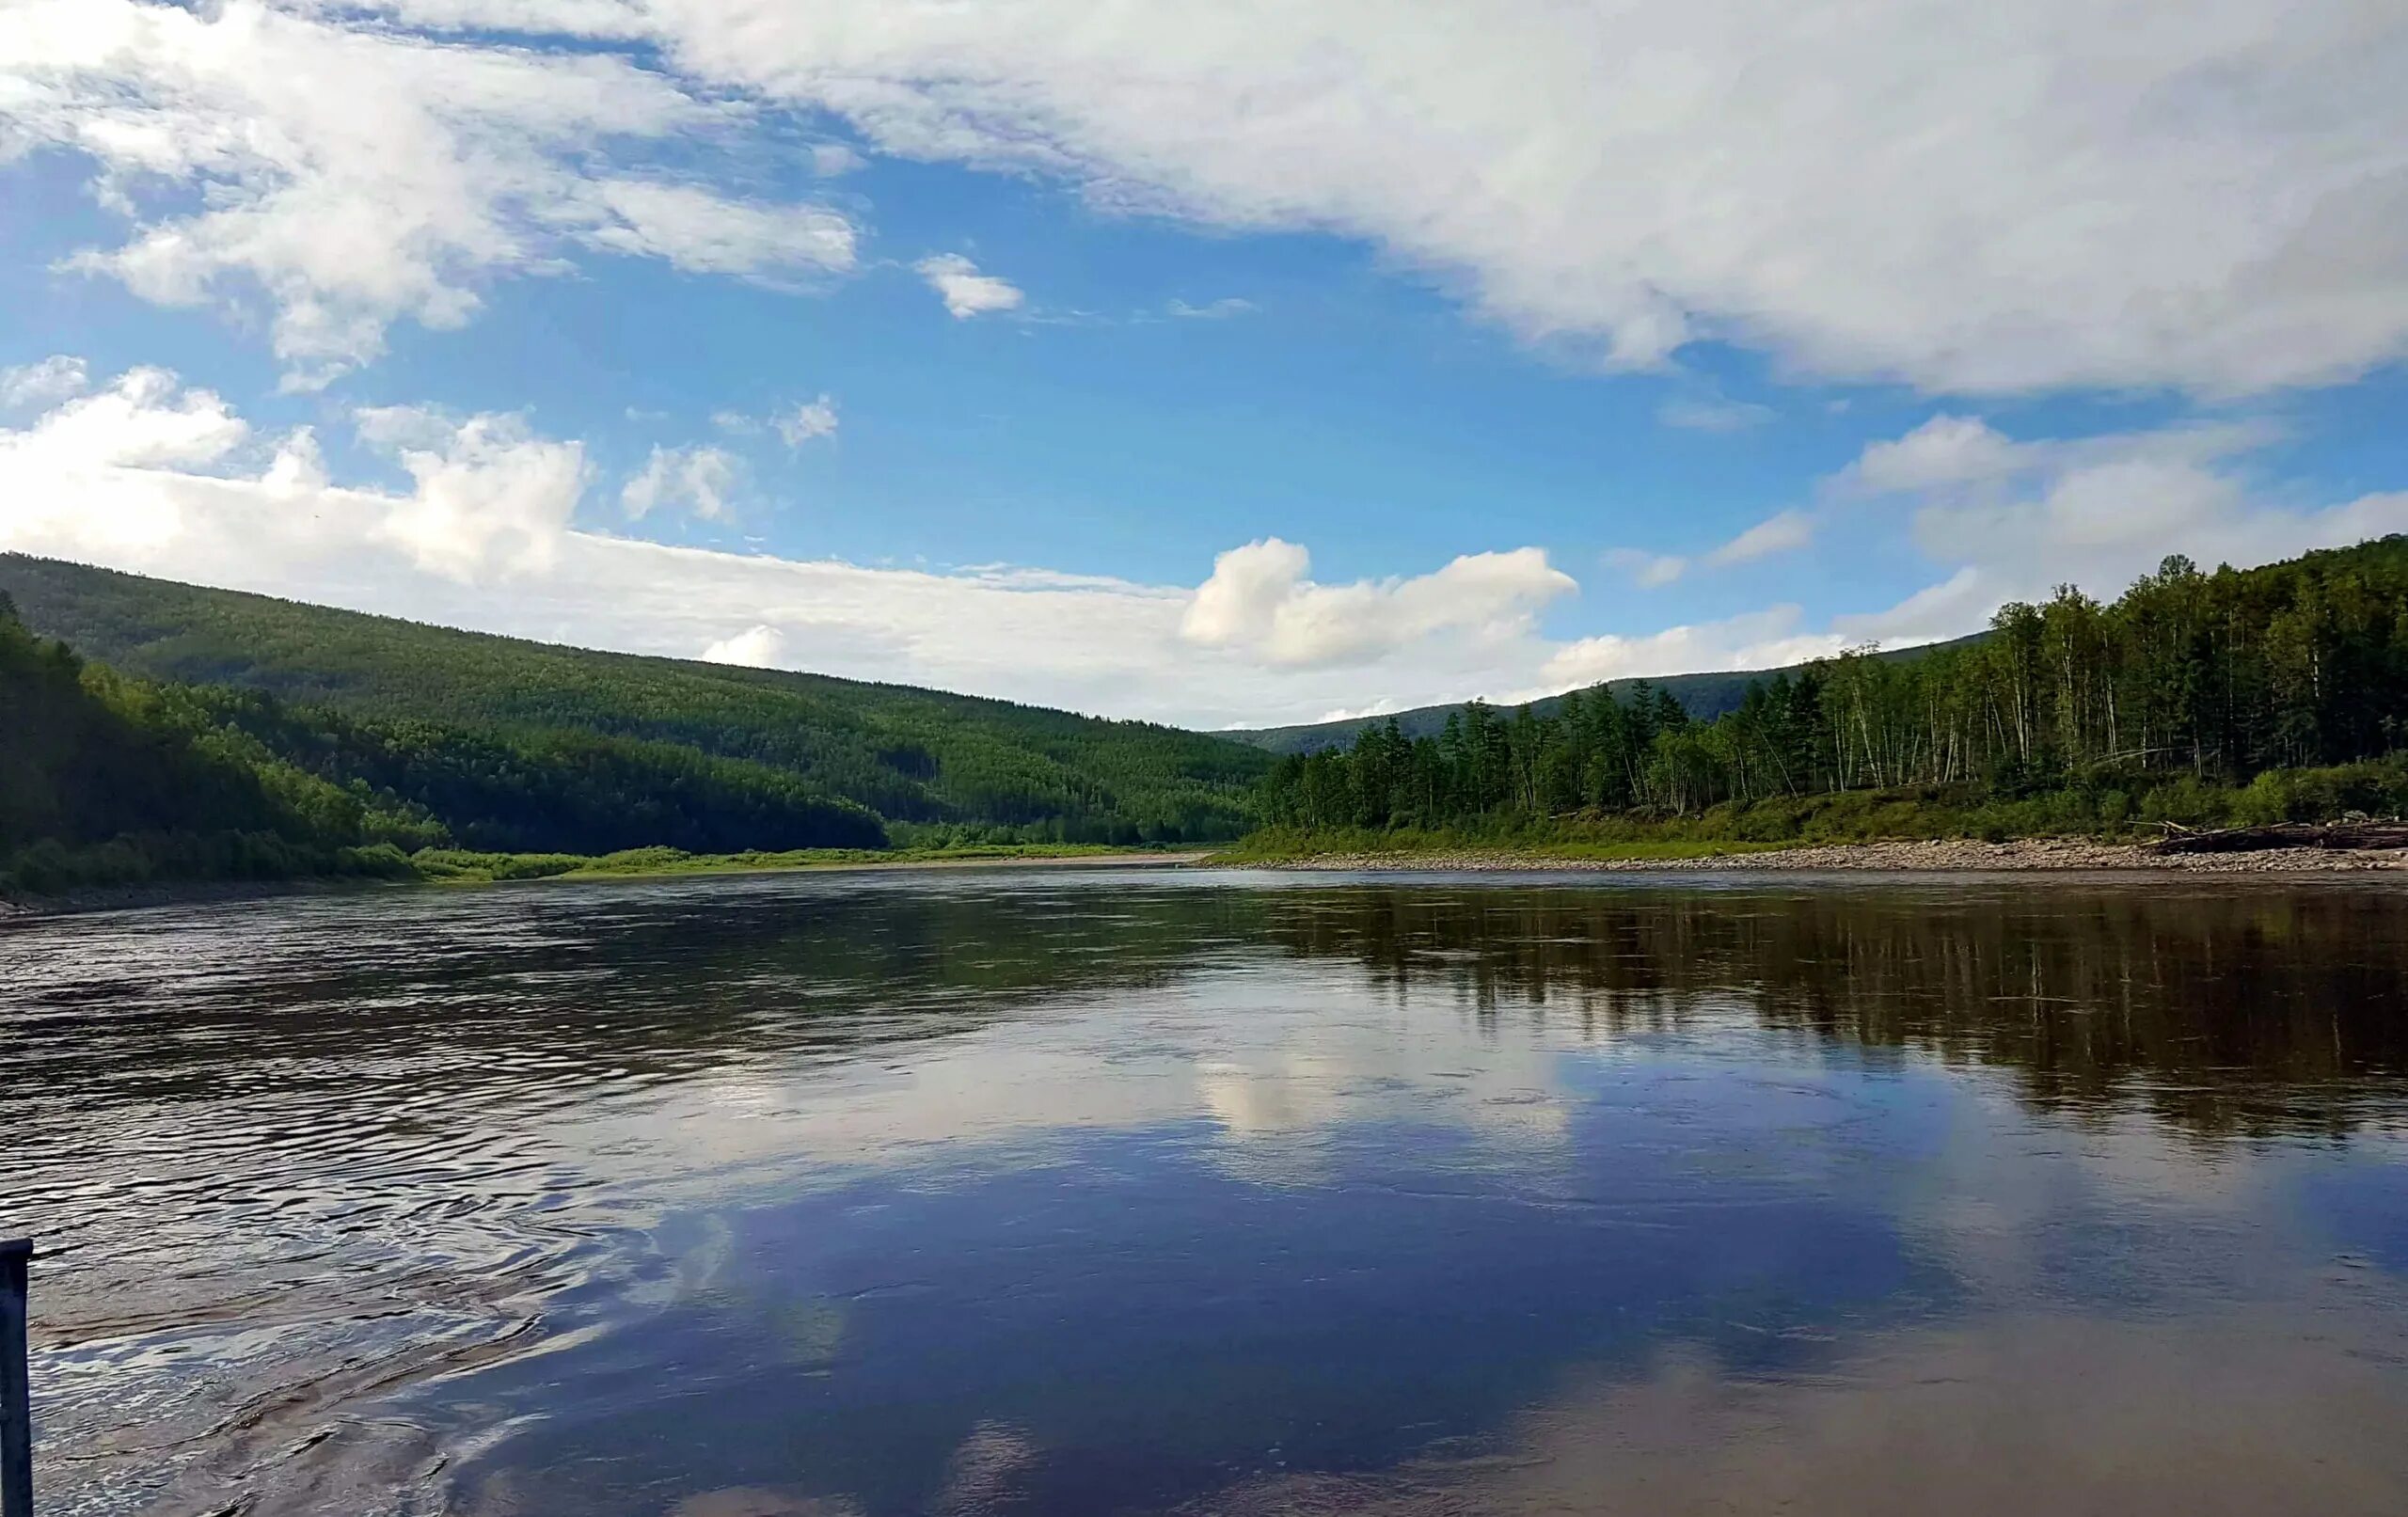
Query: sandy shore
point(1954, 854)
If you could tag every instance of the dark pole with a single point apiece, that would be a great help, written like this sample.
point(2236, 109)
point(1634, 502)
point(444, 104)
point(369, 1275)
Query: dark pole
point(16, 1394)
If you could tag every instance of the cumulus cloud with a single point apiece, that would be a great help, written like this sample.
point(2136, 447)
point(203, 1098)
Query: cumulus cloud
point(1258, 598)
point(491, 501)
point(348, 175)
point(966, 292)
point(697, 480)
point(54, 378)
point(755, 647)
point(1944, 451)
point(149, 475)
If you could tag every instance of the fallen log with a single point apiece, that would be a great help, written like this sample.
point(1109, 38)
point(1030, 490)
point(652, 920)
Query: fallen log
point(2387, 834)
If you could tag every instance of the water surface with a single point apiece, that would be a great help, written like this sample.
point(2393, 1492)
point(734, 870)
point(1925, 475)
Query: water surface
point(1065, 1193)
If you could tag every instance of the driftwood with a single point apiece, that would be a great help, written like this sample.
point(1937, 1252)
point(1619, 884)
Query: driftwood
point(2353, 834)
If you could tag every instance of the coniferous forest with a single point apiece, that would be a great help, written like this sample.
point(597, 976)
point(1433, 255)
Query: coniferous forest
point(2195, 696)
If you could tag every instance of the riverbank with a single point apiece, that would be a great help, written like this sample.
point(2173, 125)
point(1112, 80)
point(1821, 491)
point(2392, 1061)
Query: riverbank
point(1945, 855)
point(453, 868)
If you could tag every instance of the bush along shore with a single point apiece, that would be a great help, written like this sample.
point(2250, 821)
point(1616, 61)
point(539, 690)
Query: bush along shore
point(2282, 820)
point(1949, 855)
point(113, 878)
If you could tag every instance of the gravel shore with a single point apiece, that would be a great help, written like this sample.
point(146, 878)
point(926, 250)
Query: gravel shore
point(2026, 854)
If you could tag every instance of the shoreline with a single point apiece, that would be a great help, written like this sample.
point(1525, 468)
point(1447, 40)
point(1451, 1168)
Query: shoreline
point(1903, 857)
point(1896, 857)
point(98, 899)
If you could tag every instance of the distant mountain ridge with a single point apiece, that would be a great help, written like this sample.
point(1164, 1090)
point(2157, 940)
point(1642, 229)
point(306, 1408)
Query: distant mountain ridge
point(1705, 696)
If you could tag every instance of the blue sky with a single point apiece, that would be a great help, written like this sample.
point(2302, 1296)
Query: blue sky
point(1245, 365)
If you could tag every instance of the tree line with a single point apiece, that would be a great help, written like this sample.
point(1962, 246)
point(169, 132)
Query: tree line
point(2217, 677)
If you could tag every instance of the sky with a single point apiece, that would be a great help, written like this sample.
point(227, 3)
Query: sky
point(1231, 364)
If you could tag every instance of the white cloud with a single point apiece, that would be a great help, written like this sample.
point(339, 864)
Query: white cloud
point(1257, 598)
point(696, 231)
point(810, 419)
point(756, 647)
point(2198, 195)
point(1648, 571)
point(1758, 640)
point(801, 422)
point(1781, 532)
point(831, 159)
point(2203, 196)
point(698, 480)
point(2010, 519)
point(1221, 309)
point(491, 501)
point(146, 475)
point(349, 175)
point(1945, 450)
point(966, 292)
point(54, 378)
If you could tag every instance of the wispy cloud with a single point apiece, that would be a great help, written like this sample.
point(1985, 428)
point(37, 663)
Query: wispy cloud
point(1221, 309)
point(1713, 413)
point(1783, 533)
point(700, 480)
point(1648, 571)
point(811, 419)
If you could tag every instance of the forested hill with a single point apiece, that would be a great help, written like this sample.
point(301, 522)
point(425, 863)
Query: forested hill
point(1703, 696)
point(109, 780)
point(2266, 694)
point(529, 745)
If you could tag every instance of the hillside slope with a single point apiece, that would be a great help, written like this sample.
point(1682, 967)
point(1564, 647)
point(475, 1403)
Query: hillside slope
point(395, 702)
point(1703, 696)
point(109, 780)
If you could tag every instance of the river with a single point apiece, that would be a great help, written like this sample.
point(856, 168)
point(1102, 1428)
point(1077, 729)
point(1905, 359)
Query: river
point(1115, 1192)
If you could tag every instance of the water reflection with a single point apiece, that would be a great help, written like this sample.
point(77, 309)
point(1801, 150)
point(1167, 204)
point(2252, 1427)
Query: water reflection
point(1066, 1195)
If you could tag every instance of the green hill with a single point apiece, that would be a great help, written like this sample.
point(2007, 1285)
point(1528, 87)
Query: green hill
point(1703, 696)
point(499, 743)
point(108, 779)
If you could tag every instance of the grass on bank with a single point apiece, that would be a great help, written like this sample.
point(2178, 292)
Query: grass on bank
point(462, 866)
point(50, 871)
point(2112, 809)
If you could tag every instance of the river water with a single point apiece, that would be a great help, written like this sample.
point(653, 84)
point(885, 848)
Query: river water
point(847, 1196)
